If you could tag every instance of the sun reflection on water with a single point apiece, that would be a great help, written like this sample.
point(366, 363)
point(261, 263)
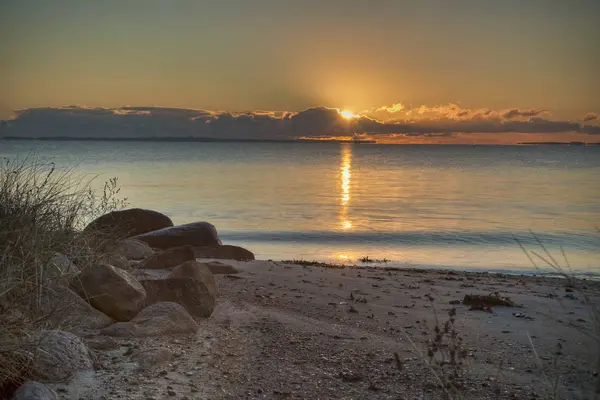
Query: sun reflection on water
point(346, 175)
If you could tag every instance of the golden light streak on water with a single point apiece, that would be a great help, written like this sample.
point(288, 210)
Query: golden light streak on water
point(345, 176)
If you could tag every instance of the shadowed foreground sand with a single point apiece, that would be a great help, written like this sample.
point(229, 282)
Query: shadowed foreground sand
point(285, 331)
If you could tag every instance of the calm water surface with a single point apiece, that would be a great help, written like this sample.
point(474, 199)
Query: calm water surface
point(423, 206)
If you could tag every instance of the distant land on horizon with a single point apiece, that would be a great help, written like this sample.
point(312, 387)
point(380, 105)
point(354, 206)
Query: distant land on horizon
point(242, 140)
point(560, 143)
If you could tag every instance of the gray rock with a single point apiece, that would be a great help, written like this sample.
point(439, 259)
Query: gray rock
point(130, 222)
point(133, 249)
point(148, 359)
point(194, 234)
point(59, 269)
point(117, 260)
point(60, 306)
point(58, 355)
point(224, 252)
point(32, 390)
point(190, 284)
point(111, 290)
point(197, 299)
point(168, 258)
point(197, 271)
point(101, 343)
point(157, 319)
point(219, 268)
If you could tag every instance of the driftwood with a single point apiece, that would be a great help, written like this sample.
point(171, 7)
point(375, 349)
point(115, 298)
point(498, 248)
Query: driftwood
point(481, 302)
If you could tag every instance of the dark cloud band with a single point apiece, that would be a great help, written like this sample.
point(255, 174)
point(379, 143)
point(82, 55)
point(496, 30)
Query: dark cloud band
point(139, 122)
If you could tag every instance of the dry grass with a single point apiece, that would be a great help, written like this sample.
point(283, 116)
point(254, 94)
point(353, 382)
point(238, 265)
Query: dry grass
point(543, 260)
point(42, 213)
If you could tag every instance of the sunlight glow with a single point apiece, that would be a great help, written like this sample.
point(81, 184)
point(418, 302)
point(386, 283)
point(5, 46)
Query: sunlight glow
point(348, 114)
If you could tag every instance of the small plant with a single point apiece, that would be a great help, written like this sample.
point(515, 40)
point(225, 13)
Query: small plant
point(446, 352)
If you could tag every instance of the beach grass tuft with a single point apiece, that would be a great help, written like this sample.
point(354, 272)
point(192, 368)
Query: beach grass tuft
point(42, 212)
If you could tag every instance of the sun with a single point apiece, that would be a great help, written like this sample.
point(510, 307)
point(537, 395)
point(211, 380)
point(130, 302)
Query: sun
point(348, 114)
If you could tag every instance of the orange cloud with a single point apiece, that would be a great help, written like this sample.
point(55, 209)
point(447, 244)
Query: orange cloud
point(394, 108)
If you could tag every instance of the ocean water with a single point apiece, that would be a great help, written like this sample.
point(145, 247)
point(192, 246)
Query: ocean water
point(415, 205)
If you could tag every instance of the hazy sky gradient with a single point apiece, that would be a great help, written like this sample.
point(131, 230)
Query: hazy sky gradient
point(290, 55)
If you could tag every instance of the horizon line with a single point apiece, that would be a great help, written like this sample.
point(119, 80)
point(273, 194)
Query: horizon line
point(293, 140)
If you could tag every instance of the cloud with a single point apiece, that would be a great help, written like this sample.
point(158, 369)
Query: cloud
point(138, 122)
point(394, 108)
point(515, 113)
point(455, 112)
point(591, 117)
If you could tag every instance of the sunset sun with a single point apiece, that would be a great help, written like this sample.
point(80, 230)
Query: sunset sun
point(348, 114)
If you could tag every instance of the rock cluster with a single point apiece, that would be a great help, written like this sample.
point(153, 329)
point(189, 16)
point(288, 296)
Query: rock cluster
point(122, 296)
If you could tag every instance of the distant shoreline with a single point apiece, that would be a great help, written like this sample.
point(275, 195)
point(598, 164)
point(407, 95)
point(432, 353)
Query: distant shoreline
point(559, 143)
point(145, 139)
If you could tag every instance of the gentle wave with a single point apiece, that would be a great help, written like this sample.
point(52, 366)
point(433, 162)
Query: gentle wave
point(571, 240)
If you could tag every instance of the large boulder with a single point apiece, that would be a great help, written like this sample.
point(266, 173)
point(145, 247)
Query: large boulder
point(130, 222)
point(190, 284)
point(194, 234)
point(197, 271)
point(191, 294)
point(111, 290)
point(32, 390)
point(157, 319)
point(168, 258)
point(133, 249)
point(224, 252)
point(58, 355)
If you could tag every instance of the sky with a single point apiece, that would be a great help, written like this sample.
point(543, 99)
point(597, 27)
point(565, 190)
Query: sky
point(414, 69)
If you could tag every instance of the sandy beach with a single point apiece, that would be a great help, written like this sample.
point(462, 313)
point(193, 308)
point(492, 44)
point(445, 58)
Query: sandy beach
point(285, 331)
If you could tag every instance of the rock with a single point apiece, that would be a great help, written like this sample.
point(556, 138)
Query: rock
point(224, 252)
point(32, 390)
point(217, 268)
point(133, 249)
point(153, 357)
point(197, 271)
point(157, 319)
point(61, 306)
point(111, 290)
point(197, 299)
point(190, 284)
point(117, 260)
point(168, 258)
point(101, 343)
point(130, 222)
point(59, 269)
point(194, 234)
point(58, 355)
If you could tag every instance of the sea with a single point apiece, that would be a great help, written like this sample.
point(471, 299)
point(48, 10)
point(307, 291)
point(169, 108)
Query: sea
point(513, 209)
